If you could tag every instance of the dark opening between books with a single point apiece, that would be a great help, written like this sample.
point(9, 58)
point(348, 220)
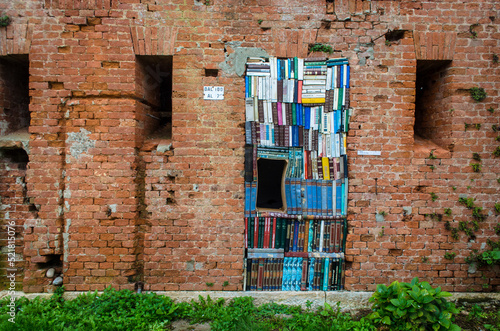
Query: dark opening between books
point(269, 183)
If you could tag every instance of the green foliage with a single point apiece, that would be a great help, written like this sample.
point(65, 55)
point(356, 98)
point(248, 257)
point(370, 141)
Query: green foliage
point(472, 32)
point(209, 284)
point(497, 138)
point(495, 128)
point(477, 126)
point(495, 58)
point(431, 155)
point(450, 255)
point(447, 225)
point(476, 213)
point(260, 21)
point(111, 310)
point(454, 188)
point(497, 207)
point(413, 306)
point(476, 156)
point(467, 202)
point(424, 259)
point(434, 196)
point(454, 234)
point(320, 48)
point(447, 211)
point(382, 212)
point(4, 21)
point(432, 167)
point(476, 167)
point(491, 110)
point(466, 126)
point(496, 152)
point(226, 283)
point(497, 229)
point(477, 93)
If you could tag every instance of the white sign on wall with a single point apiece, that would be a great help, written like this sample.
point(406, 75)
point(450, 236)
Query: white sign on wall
point(213, 92)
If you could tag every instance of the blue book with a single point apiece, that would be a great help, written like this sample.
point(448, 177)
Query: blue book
point(343, 199)
point(348, 74)
point(341, 76)
point(325, 274)
point(247, 199)
point(295, 235)
point(292, 197)
point(318, 197)
point(310, 235)
point(314, 197)
point(288, 196)
point(307, 118)
point(298, 201)
point(298, 277)
point(309, 196)
point(283, 278)
point(329, 199)
point(312, 261)
point(324, 197)
point(339, 194)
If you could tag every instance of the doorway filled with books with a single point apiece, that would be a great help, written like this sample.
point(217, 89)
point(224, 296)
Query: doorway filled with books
point(297, 117)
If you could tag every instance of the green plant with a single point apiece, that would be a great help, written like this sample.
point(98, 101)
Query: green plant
point(260, 21)
point(495, 58)
point(495, 128)
point(462, 226)
point(388, 43)
point(434, 196)
point(382, 232)
point(432, 167)
point(469, 187)
point(496, 152)
point(382, 212)
point(472, 32)
point(476, 156)
point(226, 283)
point(491, 110)
point(431, 155)
point(497, 207)
point(452, 110)
point(209, 284)
point(320, 48)
point(454, 188)
point(477, 93)
point(424, 259)
point(497, 138)
point(450, 255)
point(498, 180)
point(447, 225)
point(467, 202)
point(476, 167)
point(476, 213)
point(454, 234)
point(413, 306)
point(447, 211)
point(4, 21)
point(466, 126)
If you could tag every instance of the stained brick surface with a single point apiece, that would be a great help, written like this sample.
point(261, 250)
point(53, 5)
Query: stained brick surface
point(117, 204)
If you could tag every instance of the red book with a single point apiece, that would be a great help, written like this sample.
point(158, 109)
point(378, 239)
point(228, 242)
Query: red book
point(303, 281)
point(256, 233)
point(260, 275)
point(246, 232)
point(274, 233)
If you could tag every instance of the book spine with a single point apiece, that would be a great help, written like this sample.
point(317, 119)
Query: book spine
point(260, 275)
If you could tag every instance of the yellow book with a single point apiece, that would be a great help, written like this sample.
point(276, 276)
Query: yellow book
point(313, 100)
point(326, 168)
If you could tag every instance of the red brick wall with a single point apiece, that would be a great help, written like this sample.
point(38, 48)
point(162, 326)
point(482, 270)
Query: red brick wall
point(118, 207)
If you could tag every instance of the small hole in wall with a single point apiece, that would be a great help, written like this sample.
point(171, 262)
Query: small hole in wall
point(51, 261)
point(211, 72)
point(395, 35)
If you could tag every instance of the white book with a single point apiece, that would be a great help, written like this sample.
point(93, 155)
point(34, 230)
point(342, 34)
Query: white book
point(254, 73)
point(315, 77)
point(329, 78)
point(301, 69)
point(249, 110)
point(335, 98)
point(334, 78)
point(274, 90)
point(269, 111)
point(321, 235)
point(272, 63)
point(283, 113)
point(337, 145)
point(324, 122)
point(344, 78)
point(255, 109)
point(314, 82)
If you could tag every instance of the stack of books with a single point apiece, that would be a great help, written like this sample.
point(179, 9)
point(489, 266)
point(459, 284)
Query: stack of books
point(297, 110)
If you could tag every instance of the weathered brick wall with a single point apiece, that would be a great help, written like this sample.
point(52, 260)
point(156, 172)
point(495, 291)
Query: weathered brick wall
point(118, 205)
